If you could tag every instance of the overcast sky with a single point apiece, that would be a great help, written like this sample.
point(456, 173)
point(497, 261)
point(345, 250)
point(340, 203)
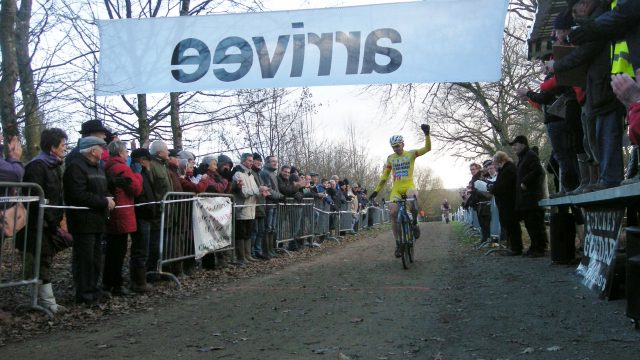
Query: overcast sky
point(342, 105)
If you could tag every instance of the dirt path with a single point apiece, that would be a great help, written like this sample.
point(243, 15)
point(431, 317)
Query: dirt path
point(357, 301)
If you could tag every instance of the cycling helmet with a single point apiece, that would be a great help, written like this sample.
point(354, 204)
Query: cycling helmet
point(396, 139)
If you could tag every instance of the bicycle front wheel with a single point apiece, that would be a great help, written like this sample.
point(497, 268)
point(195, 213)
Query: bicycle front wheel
point(405, 244)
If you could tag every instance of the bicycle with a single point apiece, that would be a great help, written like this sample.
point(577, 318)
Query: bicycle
point(405, 228)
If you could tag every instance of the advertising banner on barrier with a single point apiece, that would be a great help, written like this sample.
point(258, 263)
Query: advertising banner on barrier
point(422, 41)
point(212, 224)
point(602, 229)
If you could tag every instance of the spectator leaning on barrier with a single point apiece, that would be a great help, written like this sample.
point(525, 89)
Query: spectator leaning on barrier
point(269, 179)
point(145, 216)
point(127, 185)
point(85, 185)
point(161, 185)
point(46, 170)
point(246, 195)
point(503, 191)
point(529, 190)
point(289, 189)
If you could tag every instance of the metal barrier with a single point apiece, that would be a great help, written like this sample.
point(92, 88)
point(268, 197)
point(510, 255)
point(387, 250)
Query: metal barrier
point(374, 216)
point(20, 249)
point(295, 221)
point(345, 217)
point(176, 238)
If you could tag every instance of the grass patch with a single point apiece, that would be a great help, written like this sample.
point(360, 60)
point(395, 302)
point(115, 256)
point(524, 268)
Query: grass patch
point(460, 231)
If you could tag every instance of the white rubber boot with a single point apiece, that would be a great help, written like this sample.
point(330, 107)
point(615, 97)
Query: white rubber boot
point(47, 300)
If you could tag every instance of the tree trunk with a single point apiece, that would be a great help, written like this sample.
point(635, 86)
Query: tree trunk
point(174, 112)
point(9, 70)
point(33, 120)
point(143, 121)
point(176, 128)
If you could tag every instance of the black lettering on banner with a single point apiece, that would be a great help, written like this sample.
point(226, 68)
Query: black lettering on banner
point(602, 228)
point(179, 57)
point(269, 67)
point(372, 48)
point(234, 50)
point(221, 56)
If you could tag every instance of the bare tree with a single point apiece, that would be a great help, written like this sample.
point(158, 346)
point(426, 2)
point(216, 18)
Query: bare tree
point(9, 79)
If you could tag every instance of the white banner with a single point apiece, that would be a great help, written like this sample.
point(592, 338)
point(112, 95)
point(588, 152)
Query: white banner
point(212, 224)
point(424, 41)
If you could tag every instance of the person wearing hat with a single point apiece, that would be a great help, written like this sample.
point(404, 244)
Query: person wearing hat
point(146, 215)
point(529, 191)
point(225, 164)
point(90, 128)
point(85, 185)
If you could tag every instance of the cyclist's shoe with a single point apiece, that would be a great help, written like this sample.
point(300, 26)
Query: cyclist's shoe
point(398, 253)
point(416, 231)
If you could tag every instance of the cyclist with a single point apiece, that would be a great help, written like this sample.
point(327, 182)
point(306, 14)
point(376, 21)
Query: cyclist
point(401, 163)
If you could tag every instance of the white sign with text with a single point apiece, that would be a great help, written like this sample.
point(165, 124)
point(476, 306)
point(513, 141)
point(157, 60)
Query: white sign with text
point(212, 224)
point(417, 42)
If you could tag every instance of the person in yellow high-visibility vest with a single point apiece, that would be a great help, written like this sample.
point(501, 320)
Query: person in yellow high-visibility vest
point(601, 108)
point(622, 21)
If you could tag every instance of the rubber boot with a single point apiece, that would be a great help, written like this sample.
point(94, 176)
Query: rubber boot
point(583, 167)
point(633, 173)
point(265, 247)
point(272, 244)
point(139, 280)
point(247, 251)
point(240, 252)
point(47, 300)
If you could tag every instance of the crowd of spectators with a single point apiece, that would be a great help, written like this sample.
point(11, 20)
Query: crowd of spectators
point(101, 197)
point(584, 117)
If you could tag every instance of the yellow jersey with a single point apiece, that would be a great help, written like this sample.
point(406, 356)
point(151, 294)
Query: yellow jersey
point(402, 168)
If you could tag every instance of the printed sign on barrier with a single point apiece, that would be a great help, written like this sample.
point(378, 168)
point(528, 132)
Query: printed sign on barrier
point(602, 229)
point(212, 224)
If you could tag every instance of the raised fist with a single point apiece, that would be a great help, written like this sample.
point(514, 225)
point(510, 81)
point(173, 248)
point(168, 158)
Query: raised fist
point(425, 129)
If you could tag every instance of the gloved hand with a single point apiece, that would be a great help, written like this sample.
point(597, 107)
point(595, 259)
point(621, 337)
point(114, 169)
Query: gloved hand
point(118, 181)
point(298, 196)
point(425, 129)
point(373, 195)
point(136, 167)
point(490, 187)
point(586, 32)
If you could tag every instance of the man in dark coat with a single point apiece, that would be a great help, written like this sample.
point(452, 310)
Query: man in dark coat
point(85, 185)
point(504, 192)
point(46, 170)
point(529, 190)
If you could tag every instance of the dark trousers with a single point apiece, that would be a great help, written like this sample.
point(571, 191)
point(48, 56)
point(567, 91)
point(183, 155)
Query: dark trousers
point(113, 260)
point(86, 258)
point(140, 245)
point(153, 254)
point(534, 222)
point(511, 226)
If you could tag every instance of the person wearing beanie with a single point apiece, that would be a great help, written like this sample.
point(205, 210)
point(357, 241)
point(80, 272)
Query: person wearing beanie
point(225, 164)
